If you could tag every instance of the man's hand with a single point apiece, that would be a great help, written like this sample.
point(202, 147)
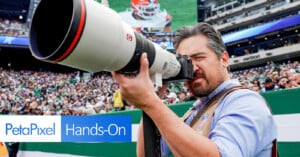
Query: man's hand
point(136, 90)
point(162, 90)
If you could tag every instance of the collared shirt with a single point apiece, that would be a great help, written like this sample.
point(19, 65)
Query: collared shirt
point(242, 124)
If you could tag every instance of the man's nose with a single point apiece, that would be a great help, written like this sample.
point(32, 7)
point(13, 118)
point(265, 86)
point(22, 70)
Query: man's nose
point(195, 67)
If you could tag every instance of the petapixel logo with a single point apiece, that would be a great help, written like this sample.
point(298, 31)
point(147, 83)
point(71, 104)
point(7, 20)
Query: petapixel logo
point(31, 129)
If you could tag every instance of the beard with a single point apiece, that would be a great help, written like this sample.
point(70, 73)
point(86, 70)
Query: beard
point(198, 87)
point(281, 86)
point(270, 87)
point(202, 87)
point(198, 91)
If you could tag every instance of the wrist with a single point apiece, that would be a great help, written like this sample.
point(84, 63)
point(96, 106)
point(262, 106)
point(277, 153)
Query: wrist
point(152, 104)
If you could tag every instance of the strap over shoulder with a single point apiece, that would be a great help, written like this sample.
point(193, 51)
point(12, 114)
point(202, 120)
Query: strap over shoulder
point(201, 122)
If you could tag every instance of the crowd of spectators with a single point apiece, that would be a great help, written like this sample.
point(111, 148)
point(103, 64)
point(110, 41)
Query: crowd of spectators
point(270, 77)
point(13, 28)
point(50, 93)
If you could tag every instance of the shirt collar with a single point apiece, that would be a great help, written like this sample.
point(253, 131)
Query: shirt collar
point(223, 86)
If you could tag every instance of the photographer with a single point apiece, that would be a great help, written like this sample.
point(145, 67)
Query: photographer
point(236, 122)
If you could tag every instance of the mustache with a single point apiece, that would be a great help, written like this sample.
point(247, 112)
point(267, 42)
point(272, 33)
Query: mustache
point(198, 75)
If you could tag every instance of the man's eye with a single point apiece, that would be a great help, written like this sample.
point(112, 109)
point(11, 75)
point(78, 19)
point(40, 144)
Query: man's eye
point(198, 57)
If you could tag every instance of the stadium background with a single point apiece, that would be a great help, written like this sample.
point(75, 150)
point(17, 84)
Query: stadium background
point(183, 13)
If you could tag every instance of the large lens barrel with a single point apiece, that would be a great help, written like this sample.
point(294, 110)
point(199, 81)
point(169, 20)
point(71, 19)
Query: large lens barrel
point(86, 35)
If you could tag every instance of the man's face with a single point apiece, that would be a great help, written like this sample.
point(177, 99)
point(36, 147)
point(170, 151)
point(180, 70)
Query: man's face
point(295, 80)
point(256, 88)
point(282, 82)
point(269, 85)
point(209, 71)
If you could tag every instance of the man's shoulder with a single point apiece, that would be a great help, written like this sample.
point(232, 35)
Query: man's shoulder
point(244, 94)
point(243, 99)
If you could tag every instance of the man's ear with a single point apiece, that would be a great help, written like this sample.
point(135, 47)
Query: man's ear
point(225, 59)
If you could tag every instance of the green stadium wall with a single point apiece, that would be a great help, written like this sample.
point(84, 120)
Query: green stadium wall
point(284, 104)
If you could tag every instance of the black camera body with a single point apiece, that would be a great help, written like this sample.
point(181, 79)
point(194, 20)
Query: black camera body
point(186, 70)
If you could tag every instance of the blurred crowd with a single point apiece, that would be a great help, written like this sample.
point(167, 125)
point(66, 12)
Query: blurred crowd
point(270, 77)
point(13, 28)
point(50, 93)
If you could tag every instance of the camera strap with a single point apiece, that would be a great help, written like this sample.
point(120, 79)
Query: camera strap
point(201, 122)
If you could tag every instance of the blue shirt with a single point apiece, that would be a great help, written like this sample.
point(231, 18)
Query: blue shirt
point(242, 125)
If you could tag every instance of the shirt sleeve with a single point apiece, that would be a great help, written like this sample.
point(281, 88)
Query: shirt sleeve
point(243, 125)
point(165, 150)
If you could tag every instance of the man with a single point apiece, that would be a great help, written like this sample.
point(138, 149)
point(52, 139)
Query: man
point(242, 124)
point(145, 15)
point(269, 85)
point(118, 101)
point(172, 98)
point(283, 83)
point(295, 80)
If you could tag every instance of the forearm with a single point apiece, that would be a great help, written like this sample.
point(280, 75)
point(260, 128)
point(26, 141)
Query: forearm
point(182, 140)
point(140, 141)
